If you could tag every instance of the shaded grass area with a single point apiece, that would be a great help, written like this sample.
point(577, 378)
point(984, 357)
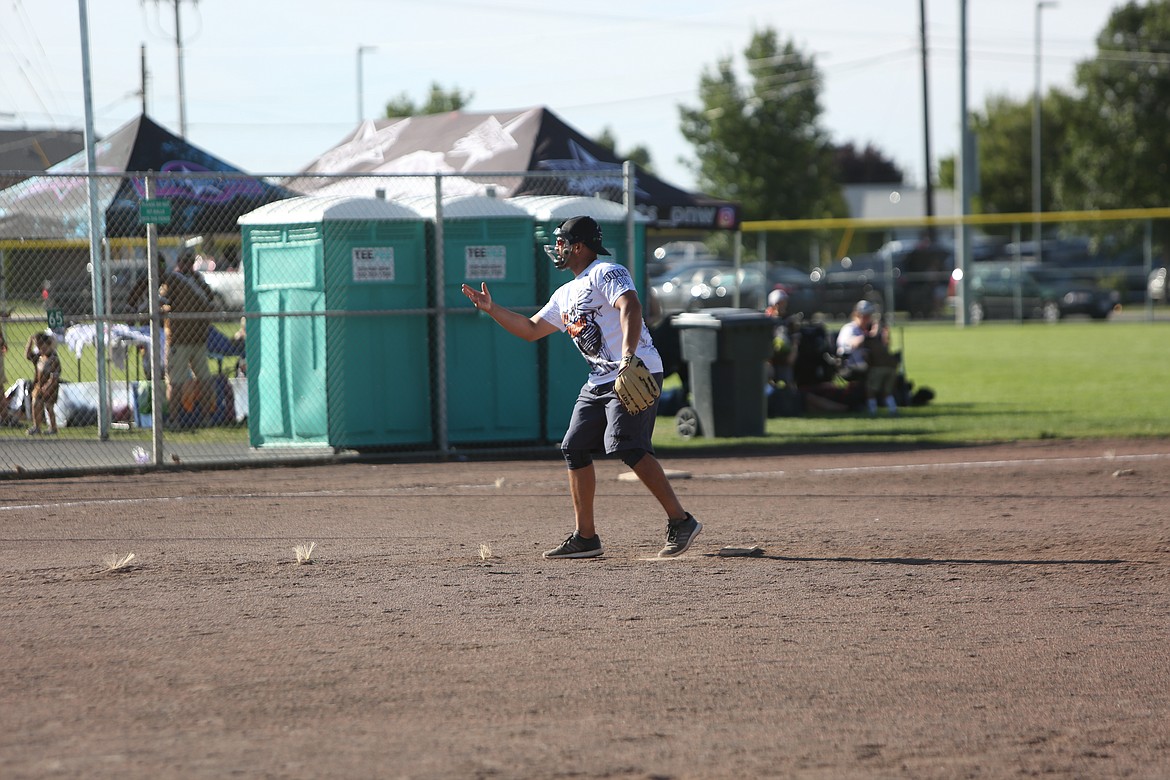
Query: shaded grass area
point(1003, 382)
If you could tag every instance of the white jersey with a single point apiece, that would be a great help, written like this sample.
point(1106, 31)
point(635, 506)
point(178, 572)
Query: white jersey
point(849, 333)
point(584, 309)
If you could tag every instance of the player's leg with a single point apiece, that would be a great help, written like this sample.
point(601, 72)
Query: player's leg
point(630, 437)
point(583, 487)
point(681, 525)
point(650, 472)
point(37, 412)
point(586, 428)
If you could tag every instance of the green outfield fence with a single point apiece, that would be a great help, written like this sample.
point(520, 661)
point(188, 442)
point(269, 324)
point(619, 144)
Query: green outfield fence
point(336, 325)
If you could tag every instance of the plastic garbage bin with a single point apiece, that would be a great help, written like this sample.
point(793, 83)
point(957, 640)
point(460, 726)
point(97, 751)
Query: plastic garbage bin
point(726, 350)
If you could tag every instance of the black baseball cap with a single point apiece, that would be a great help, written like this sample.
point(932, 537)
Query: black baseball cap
point(583, 229)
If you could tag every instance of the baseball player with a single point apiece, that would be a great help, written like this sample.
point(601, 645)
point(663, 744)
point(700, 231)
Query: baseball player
point(615, 410)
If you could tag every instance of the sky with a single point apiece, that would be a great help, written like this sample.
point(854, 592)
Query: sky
point(270, 86)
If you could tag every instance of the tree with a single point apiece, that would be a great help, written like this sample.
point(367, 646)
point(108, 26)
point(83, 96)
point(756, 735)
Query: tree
point(439, 101)
point(762, 144)
point(1003, 139)
point(639, 155)
point(1119, 146)
point(866, 167)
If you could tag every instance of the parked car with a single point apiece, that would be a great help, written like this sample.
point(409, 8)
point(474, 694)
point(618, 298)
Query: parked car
point(719, 289)
point(851, 279)
point(73, 293)
point(676, 254)
point(917, 275)
point(803, 292)
point(1003, 289)
point(228, 289)
point(1118, 268)
point(672, 291)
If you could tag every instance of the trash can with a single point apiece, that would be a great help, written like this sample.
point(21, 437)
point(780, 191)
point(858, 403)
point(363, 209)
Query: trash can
point(361, 382)
point(727, 352)
point(563, 369)
point(493, 386)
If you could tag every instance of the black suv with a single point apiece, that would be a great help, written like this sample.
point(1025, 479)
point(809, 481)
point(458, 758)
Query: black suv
point(916, 274)
point(73, 295)
point(1003, 289)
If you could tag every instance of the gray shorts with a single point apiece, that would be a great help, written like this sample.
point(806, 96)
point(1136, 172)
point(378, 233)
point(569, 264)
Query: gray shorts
point(601, 423)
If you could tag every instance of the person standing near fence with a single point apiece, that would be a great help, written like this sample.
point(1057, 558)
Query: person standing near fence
point(45, 384)
point(183, 292)
point(600, 310)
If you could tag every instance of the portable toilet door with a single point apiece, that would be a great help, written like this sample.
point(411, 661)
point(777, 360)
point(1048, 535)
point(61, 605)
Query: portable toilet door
point(377, 259)
point(493, 377)
point(282, 251)
point(339, 380)
point(564, 368)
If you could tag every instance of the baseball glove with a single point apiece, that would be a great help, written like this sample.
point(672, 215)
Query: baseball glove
point(635, 385)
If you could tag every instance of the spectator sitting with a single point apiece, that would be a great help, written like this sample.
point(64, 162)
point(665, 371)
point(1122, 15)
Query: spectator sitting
point(784, 399)
point(881, 380)
point(852, 335)
point(863, 345)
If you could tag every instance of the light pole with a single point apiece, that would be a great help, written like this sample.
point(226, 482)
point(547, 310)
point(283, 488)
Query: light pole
point(926, 117)
point(1037, 201)
point(361, 113)
point(178, 68)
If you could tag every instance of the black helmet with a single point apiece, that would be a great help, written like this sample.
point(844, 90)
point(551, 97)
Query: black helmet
point(583, 230)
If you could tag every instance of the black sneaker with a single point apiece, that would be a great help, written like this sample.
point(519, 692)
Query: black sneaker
point(679, 536)
point(577, 547)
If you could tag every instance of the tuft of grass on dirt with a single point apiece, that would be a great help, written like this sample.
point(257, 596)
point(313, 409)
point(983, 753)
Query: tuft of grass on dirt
point(304, 553)
point(485, 552)
point(114, 562)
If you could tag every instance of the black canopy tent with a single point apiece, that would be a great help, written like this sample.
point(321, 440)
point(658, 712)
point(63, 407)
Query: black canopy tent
point(532, 140)
point(57, 206)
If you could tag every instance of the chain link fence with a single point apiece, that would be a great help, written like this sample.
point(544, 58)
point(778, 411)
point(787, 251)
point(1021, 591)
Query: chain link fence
point(233, 320)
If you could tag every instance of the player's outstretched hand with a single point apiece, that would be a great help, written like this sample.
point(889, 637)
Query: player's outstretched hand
point(481, 297)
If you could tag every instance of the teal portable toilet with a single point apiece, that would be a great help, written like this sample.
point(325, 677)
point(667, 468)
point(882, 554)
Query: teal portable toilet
point(564, 368)
point(493, 378)
point(344, 381)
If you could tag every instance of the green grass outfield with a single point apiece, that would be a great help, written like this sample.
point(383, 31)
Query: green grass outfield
point(995, 382)
point(1002, 382)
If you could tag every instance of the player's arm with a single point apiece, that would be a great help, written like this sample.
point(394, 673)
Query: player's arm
point(527, 328)
point(629, 310)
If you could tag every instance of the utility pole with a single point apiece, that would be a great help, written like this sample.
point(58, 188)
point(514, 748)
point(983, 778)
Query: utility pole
point(179, 65)
point(965, 170)
point(926, 119)
point(361, 111)
point(144, 76)
point(1037, 99)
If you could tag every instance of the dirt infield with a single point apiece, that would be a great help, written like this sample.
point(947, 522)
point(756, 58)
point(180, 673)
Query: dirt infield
point(979, 612)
